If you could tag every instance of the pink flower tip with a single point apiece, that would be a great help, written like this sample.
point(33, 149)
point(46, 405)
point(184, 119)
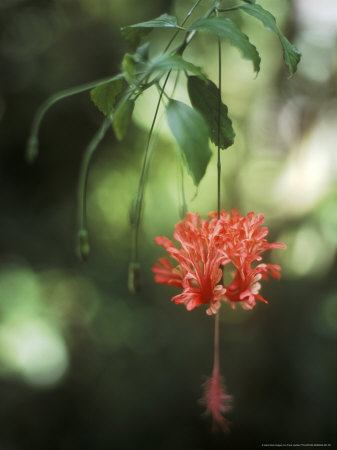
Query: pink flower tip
point(217, 402)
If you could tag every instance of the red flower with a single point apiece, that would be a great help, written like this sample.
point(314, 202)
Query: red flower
point(206, 247)
point(199, 260)
point(244, 243)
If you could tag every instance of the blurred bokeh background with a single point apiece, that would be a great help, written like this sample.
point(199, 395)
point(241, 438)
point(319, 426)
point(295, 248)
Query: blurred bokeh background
point(84, 364)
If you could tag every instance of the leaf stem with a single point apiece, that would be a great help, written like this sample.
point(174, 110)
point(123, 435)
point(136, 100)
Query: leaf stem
point(182, 23)
point(235, 8)
point(179, 27)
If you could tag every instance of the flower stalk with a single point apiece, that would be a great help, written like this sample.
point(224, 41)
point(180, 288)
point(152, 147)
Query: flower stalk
point(137, 209)
point(217, 402)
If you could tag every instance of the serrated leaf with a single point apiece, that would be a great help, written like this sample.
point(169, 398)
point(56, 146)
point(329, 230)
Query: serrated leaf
point(290, 53)
point(226, 28)
point(191, 133)
point(129, 67)
point(104, 95)
point(134, 33)
point(204, 97)
point(122, 118)
point(166, 62)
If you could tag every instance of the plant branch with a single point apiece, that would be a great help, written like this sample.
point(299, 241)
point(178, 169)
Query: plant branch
point(33, 142)
point(141, 185)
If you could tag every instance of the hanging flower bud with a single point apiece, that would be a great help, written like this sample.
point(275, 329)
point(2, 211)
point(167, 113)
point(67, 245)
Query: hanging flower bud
point(32, 149)
point(83, 247)
point(135, 278)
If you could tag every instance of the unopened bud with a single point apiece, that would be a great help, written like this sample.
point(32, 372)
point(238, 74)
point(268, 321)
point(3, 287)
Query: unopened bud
point(135, 279)
point(83, 247)
point(32, 149)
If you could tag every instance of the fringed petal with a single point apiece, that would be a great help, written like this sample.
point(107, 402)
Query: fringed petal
point(206, 246)
point(216, 400)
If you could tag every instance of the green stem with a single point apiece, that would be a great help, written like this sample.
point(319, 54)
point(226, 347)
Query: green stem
point(182, 23)
point(32, 145)
point(160, 90)
point(183, 205)
point(191, 35)
point(182, 198)
point(235, 8)
point(216, 365)
point(219, 130)
point(92, 146)
point(83, 178)
point(141, 184)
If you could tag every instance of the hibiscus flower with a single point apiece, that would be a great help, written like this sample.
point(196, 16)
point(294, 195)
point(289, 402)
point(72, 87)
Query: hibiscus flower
point(206, 246)
point(199, 259)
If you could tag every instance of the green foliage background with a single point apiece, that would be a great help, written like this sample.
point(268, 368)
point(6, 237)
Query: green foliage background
point(84, 363)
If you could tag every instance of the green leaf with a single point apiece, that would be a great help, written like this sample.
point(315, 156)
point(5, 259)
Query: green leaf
point(104, 95)
point(134, 33)
point(191, 133)
point(226, 28)
point(142, 53)
point(122, 118)
point(166, 62)
point(163, 21)
point(204, 97)
point(290, 53)
point(129, 67)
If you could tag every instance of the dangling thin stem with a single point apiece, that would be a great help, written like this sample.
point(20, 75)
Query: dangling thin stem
point(182, 23)
point(83, 179)
point(235, 8)
point(219, 131)
point(33, 140)
point(182, 198)
point(140, 192)
point(84, 171)
point(216, 365)
point(183, 205)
